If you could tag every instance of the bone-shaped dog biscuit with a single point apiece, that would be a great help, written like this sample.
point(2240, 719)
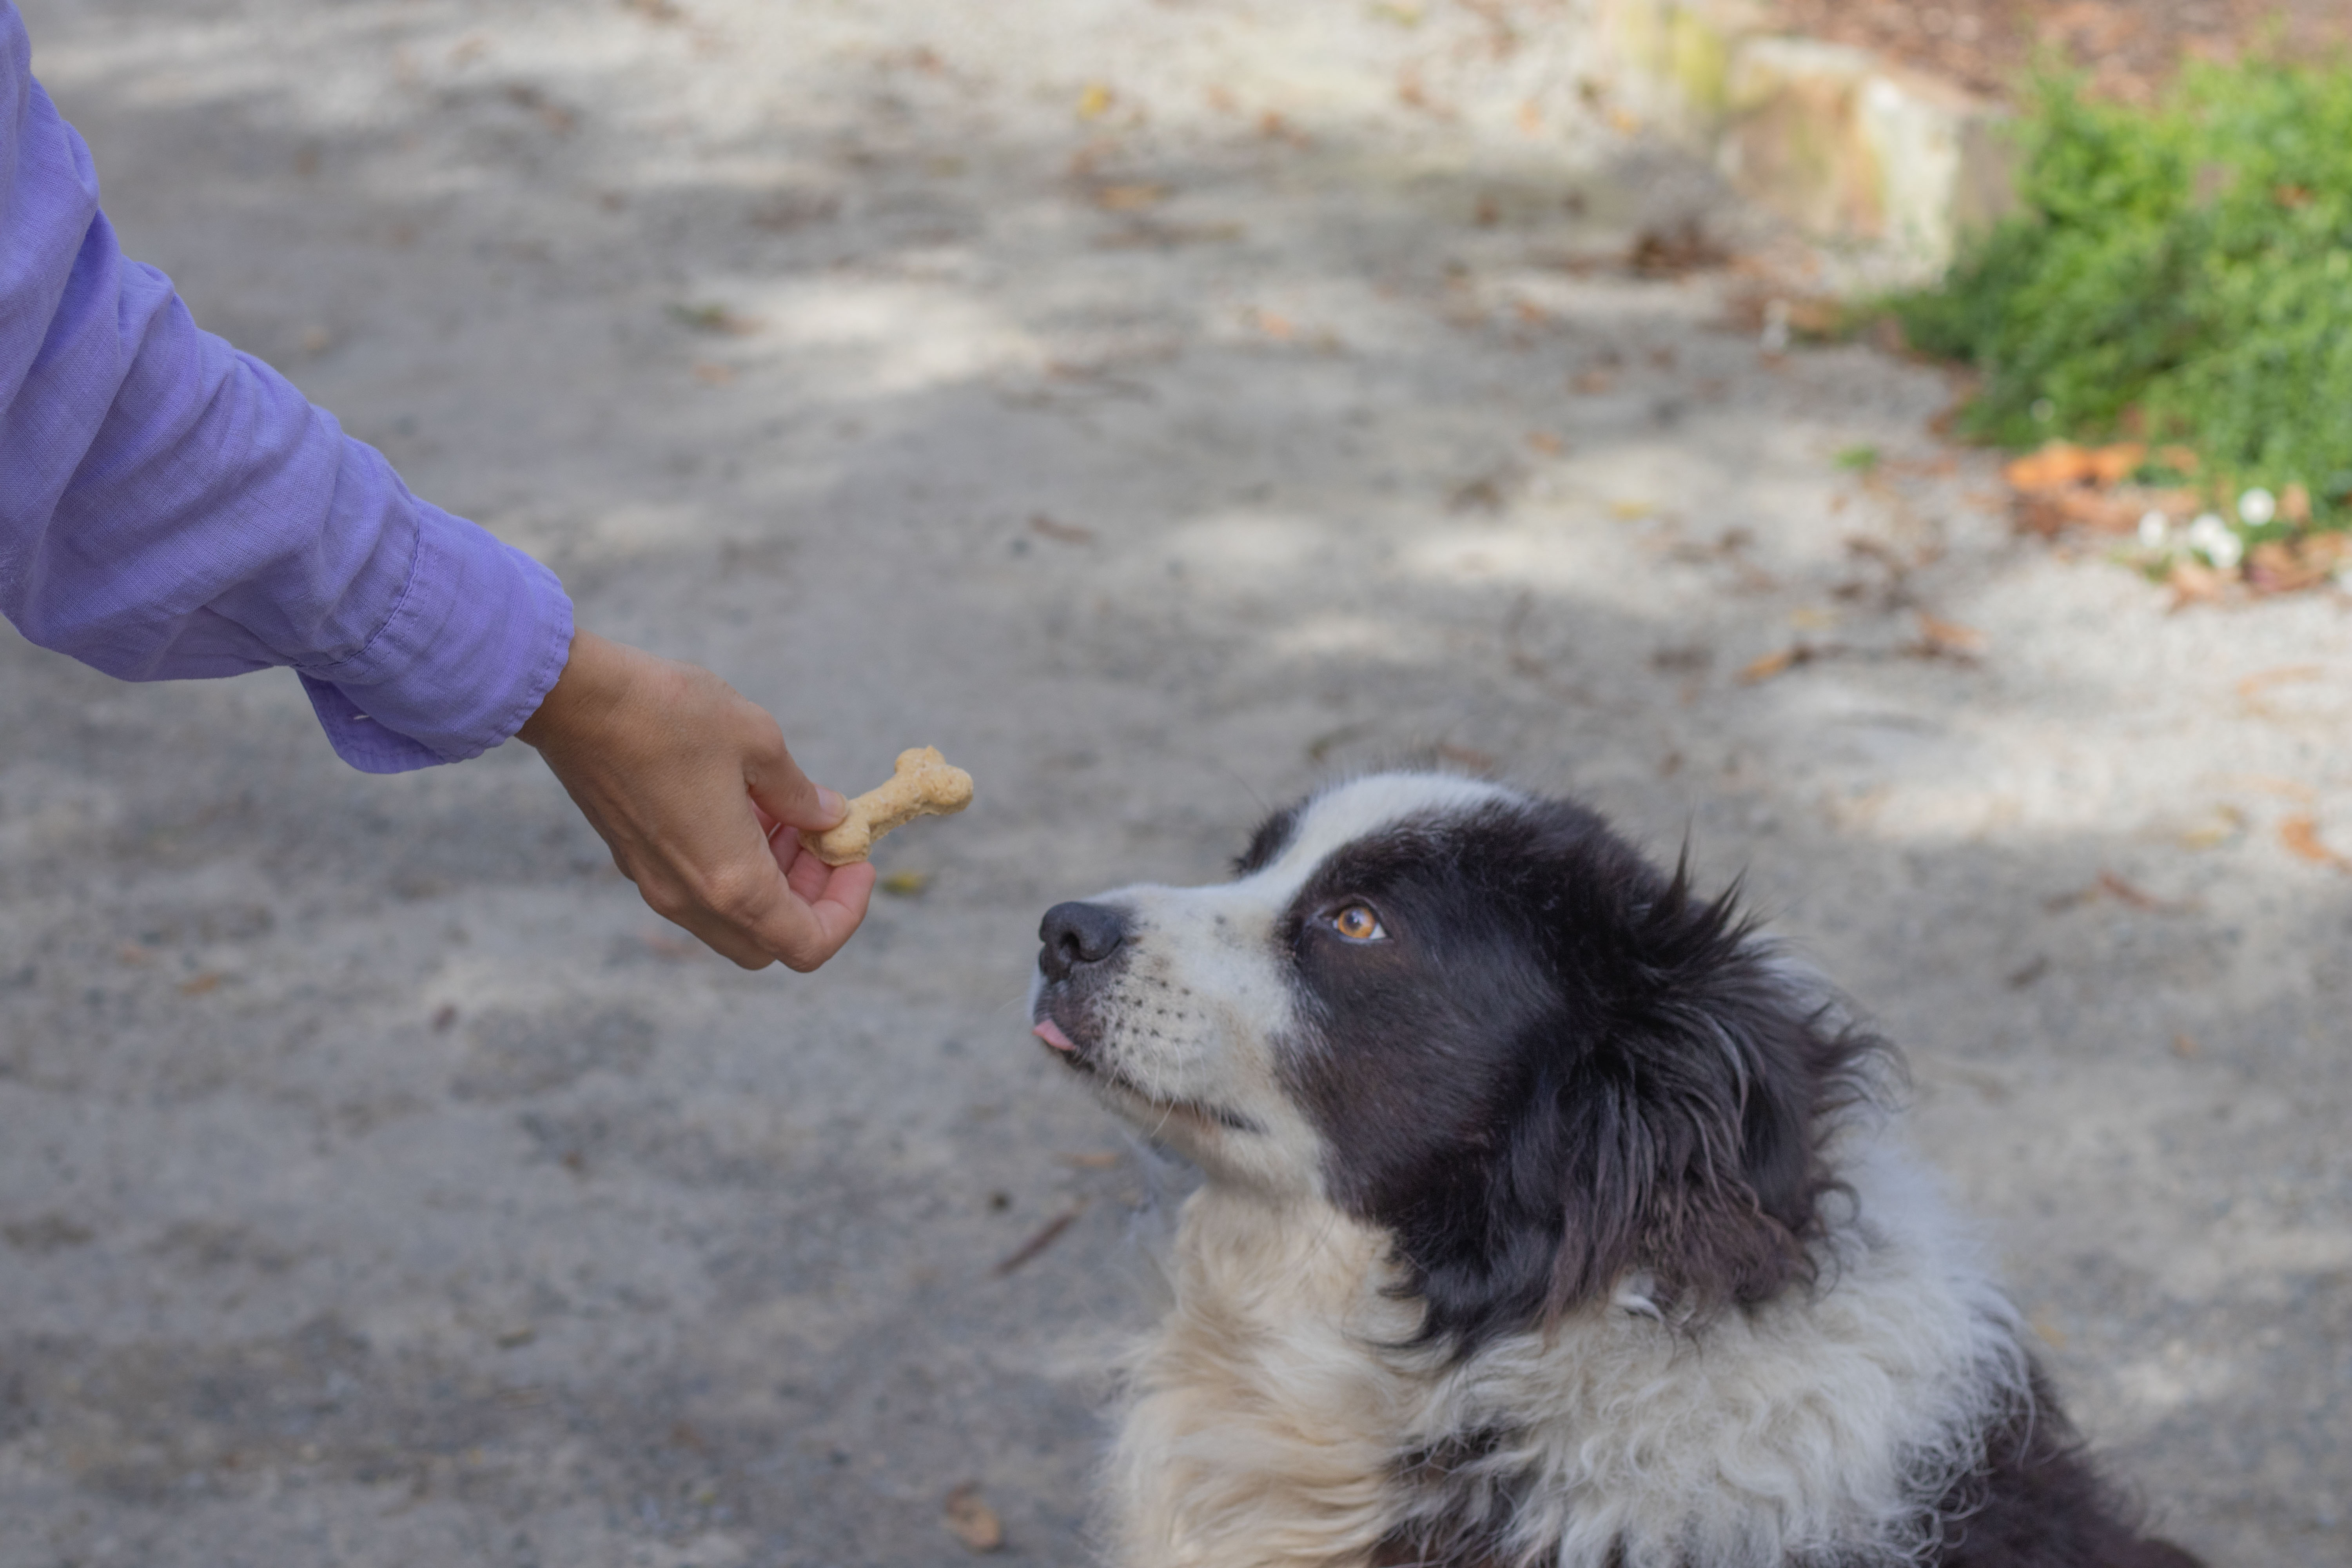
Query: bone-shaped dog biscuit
point(921, 784)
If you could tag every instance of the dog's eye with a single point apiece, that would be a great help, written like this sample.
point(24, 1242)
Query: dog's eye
point(1358, 923)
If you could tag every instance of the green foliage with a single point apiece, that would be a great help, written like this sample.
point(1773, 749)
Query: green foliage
point(2185, 270)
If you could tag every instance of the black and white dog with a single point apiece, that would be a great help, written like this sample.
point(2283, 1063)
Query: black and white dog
point(1551, 1218)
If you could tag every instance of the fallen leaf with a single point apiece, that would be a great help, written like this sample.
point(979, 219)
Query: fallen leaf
point(2117, 888)
point(2221, 826)
point(2277, 566)
point(714, 319)
point(1757, 670)
point(1279, 328)
point(2114, 465)
point(2301, 836)
point(1062, 532)
point(1544, 441)
point(2268, 783)
point(1130, 199)
point(1047, 1234)
point(199, 984)
point(972, 1521)
point(905, 884)
point(1631, 511)
point(2193, 583)
point(713, 374)
point(2184, 1048)
point(2251, 687)
point(1591, 382)
point(1095, 102)
point(1949, 640)
point(2101, 513)
point(2059, 464)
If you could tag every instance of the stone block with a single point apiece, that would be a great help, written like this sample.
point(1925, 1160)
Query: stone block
point(1844, 144)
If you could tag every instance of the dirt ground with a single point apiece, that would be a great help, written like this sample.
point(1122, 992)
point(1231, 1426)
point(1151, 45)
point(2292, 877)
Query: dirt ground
point(1160, 407)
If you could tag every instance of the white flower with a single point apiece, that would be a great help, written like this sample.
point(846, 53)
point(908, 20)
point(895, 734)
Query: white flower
point(2154, 529)
point(2211, 538)
point(2257, 507)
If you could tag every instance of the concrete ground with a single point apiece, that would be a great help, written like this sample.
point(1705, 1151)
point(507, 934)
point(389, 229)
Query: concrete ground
point(1160, 407)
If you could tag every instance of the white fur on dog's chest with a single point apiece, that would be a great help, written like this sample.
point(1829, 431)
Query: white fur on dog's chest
point(1266, 1422)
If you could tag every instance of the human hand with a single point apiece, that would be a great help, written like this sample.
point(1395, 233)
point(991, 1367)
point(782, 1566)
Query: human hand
point(690, 786)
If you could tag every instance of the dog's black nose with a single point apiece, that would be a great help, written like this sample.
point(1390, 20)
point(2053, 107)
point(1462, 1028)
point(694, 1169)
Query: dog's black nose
point(1075, 933)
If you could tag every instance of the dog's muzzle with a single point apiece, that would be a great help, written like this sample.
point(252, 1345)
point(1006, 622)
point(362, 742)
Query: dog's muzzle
point(1081, 943)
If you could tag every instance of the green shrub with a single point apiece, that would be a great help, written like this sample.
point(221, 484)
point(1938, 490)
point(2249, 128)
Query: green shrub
point(2183, 273)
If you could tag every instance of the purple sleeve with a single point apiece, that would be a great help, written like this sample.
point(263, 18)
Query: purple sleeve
point(171, 508)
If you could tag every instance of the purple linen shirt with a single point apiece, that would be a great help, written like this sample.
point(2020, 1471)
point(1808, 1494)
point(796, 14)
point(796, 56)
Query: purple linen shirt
point(172, 509)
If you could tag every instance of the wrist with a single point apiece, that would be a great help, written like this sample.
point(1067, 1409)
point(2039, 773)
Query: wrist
point(595, 673)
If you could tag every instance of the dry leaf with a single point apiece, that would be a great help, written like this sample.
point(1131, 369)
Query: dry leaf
point(2059, 464)
point(2183, 1046)
point(2270, 784)
point(2137, 898)
point(1757, 671)
point(1130, 199)
point(2253, 684)
point(2193, 583)
point(2301, 836)
point(2114, 465)
point(1592, 382)
point(972, 1521)
point(2223, 825)
point(1543, 441)
point(1063, 533)
point(905, 884)
point(713, 374)
point(1950, 638)
point(199, 985)
point(1047, 1234)
point(1279, 328)
point(1095, 102)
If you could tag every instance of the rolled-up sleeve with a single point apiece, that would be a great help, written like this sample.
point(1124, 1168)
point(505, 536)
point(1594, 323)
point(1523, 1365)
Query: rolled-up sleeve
point(172, 509)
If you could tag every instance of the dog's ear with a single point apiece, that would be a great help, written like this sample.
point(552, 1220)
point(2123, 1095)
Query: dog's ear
point(1686, 1128)
point(1664, 1131)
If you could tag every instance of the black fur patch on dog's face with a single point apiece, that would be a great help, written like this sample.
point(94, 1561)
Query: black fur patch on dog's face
point(1554, 1068)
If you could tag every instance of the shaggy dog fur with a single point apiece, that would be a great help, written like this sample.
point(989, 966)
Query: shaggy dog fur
point(1551, 1217)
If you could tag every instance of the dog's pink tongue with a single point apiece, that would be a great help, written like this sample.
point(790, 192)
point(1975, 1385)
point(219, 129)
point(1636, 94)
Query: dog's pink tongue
point(1051, 1033)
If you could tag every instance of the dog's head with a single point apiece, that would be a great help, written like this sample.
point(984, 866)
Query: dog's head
point(1483, 1023)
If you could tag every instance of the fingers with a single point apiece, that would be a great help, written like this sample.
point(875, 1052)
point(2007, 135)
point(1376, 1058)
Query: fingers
point(780, 791)
point(692, 788)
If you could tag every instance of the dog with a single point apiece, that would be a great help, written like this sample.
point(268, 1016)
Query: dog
point(1551, 1216)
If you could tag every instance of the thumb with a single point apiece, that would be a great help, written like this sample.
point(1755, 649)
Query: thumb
point(786, 796)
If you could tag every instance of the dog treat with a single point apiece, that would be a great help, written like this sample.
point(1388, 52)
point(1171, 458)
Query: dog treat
point(921, 784)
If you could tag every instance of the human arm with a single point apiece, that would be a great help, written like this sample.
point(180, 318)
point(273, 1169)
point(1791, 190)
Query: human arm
point(172, 509)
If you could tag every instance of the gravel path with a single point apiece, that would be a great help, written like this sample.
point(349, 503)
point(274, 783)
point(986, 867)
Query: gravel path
point(1159, 407)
